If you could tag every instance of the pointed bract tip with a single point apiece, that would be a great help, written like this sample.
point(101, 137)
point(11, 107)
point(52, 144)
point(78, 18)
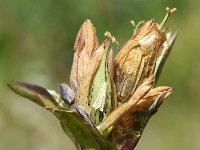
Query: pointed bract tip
point(133, 23)
point(88, 20)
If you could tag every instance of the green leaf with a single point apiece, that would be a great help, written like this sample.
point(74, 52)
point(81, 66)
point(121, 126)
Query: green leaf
point(70, 135)
point(41, 96)
point(87, 136)
point(35, 93)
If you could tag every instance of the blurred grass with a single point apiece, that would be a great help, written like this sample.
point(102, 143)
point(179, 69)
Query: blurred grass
point(36, 45)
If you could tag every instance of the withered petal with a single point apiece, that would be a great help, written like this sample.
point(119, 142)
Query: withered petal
point(85, 44)
point(82, 94)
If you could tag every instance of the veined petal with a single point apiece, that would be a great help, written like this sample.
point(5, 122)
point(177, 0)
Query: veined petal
point(85, 44)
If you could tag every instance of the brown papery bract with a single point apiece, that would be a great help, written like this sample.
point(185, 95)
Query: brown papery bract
point(83, 92)
point(85, 44)
point(136, 61)
point(128, 130)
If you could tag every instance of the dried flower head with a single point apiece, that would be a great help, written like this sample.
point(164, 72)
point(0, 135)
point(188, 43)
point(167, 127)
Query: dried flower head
point(109, 100)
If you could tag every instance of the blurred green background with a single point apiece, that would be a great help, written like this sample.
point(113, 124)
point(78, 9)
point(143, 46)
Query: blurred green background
point(36, 45)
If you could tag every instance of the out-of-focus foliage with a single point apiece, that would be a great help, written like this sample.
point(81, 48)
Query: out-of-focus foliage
point(36, 41)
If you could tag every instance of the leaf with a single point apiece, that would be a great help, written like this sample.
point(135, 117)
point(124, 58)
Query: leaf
point(72, 123)
point(70, 135)
point(35, 93)
point(87, 136)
